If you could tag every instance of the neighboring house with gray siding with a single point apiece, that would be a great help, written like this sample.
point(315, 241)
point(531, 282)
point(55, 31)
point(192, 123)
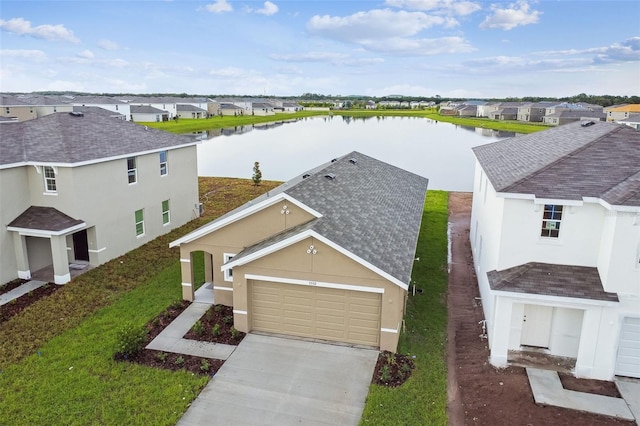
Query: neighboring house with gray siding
point(16, 108)
point(85, 188)
point(147, 113)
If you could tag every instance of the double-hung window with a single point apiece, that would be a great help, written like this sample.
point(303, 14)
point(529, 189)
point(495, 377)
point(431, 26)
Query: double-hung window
point(551, 219)
point(163, 163)
point(166, 214)
point(132, 170)
point(49, 179)
point(139, 215)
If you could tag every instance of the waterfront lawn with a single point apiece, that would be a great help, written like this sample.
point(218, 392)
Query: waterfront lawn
point(421, 400)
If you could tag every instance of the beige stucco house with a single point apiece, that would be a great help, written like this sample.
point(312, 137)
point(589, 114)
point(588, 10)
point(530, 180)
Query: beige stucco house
point(83, 188)
point(327, 255)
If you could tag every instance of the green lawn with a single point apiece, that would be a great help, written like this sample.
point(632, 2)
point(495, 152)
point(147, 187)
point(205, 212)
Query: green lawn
point(56, 357)
point(422, 400)
point(190, 125)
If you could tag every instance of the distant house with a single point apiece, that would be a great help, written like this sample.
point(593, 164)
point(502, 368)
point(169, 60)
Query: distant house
point(632, 121)
point(569, 116)
point(505, 113)
point(262, 108)
point(190, 111)
point(622, 112)
point(327, 255)
point(145, 113)
point(555, 236)
point(532, 112)
point(106, 102)
point(467, 111)
point(84, 188)
point(230, 109)
point(15, 108)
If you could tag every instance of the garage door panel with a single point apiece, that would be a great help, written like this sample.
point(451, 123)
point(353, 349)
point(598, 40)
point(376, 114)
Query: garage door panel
point(628, 359)
point(317, 312)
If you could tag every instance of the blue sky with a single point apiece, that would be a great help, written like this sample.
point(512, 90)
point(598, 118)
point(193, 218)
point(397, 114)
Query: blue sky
point(451, 48)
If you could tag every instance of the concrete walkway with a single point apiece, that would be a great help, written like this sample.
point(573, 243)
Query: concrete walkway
point(20, 291)
point(548, 390)
point(277, 381)
point(171, 340)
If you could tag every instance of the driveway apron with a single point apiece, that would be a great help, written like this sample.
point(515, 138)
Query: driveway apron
point(277, 381)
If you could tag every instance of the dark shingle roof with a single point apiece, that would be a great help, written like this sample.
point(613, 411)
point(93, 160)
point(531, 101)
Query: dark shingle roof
point(66, 139)
point(188, 108)
point(551, 280)
point(371, 208)
point(44, 219)
point(146, 109)
point(569, 162)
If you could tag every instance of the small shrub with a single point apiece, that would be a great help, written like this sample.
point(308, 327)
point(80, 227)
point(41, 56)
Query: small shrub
point(204, 365)
point(215, 330)
point(198, 328)
point(176, 304)
point(218, 308)
point(405, 368)
point(228, 319)
point(161, 356)
point(209, 314)
point(392, 359)
point(179, 361)
point(234, 332)
point(385, 374)
point(130, 339)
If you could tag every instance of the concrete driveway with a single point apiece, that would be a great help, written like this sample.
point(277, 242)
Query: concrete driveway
point(276, 381)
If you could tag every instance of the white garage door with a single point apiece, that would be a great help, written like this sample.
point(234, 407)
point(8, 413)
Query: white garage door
point(317, 312)
point(628, 362)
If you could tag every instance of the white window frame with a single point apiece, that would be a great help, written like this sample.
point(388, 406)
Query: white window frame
point(49, 180)
point(132, 171)
point(228, 273)
point(551, 223)
point(139, 222)
point(166, 212)
point(164, 168)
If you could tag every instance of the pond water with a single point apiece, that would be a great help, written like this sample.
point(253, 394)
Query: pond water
point(438, 151)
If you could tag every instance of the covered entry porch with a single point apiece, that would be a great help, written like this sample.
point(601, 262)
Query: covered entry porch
point(45, 240)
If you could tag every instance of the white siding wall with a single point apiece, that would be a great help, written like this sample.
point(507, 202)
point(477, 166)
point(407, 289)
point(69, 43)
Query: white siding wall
point(14, 193)
point(620, 252)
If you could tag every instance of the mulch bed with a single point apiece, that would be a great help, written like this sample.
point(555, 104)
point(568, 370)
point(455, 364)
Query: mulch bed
point(5, 288)
point(14, 307)
point(193, 364)
point(216, 325)
point(392, 369)
point(598, 387)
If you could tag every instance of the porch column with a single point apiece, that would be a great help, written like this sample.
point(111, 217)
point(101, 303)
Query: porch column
point(499, 333)
point(22, 257)
point(589, 336)
point(208, 267)
point(188, 293)
point(61, 274)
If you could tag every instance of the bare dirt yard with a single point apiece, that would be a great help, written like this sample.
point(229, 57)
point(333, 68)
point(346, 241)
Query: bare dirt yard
point(480, 394)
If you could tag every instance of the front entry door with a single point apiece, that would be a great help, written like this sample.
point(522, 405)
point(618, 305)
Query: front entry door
point(81, 245)
point(536, 326)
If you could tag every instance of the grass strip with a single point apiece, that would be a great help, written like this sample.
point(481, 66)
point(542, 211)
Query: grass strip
point(191, 125)
point(422, 400)
point(24, 333)
point(73, 379)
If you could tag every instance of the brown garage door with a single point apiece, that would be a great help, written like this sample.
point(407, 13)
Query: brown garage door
point(317, 312)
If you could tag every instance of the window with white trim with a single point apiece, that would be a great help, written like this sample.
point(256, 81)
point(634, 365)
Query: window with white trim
point(132, 170)
point(139, 215)
point(228, 273)
point(163, 163)
point(166, 214)
point(551, 219)
point(49, 179)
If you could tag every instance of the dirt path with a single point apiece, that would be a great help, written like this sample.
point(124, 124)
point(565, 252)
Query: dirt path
point(480, 394)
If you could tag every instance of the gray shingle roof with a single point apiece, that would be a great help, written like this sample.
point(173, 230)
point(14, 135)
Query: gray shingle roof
point(44, 219)
point(568, 162)
point(189, 108)
point(66, 139)
point(551, 280)
point(146, 109)
point(371, 208)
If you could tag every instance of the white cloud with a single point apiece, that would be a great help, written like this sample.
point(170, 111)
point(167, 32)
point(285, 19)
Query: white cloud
point(230, 72)
point(108, 45)
point(515, 15)
point(461, 8)
point(421, 47)
point(220, 6)
point(34, 55)
point(309, 57)
point(21, 26)
point(268, 9)
point(86, 54)
point(375, 24)
point(627, 51)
